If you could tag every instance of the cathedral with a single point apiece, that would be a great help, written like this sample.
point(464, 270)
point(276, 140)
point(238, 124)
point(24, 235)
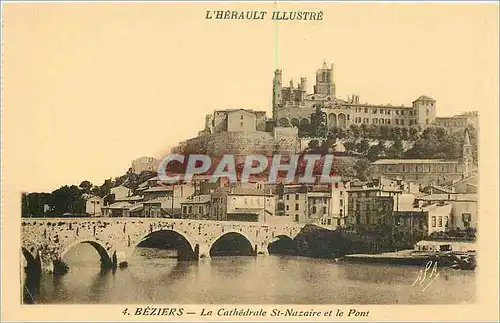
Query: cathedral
point(293, 105)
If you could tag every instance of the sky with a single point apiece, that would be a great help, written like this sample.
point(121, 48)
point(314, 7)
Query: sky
point(88, 87)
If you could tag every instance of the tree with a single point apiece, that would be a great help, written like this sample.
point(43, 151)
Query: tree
point(361, 167)
point(349, 145)
point(318, 123)
point(404, 134)
point(396, 150)
point(385, 133)
point(313, 145)
point(67, 199)
point(374, 152)
point(414, 133)
point(355, 131)
point(105, 188)
point(86, 186)
point(363, 146)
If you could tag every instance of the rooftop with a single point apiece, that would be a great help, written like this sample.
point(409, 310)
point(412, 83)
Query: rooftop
point(414, 161)
point(450, 197)
point(159, 189)
point(424, 98)
point(198, 199)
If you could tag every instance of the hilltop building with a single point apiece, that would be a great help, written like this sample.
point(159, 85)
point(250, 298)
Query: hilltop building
point(293, 105)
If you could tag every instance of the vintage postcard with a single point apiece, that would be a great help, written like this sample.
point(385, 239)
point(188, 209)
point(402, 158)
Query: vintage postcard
point(249, 161)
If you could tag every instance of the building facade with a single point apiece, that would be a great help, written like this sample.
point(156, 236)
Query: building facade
point(143, 164)
point(463, 210)
point(459, 122)
point(234, 120)
point(293, 105)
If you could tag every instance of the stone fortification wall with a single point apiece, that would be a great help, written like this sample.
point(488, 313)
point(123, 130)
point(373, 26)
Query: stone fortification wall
point(242, 143)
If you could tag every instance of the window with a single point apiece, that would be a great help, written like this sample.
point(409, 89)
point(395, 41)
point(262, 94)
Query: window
point(296, 206)
point(446, 223)
point(366, 110)
point(288, 207)
point(341, 213)
point(466, 218)
point(402, 122)
point(388, 121)
point(200, 209)
point(184, 209)
point(190, 209)
point(374, 111)
point(314, 210)
point(324, 209)
point(288, 196)
point(440, 221)
point(296, 196)
point(241, 117)
point(338, 221)
point(397, 121)
point(329, 221)
point(241, 123)
point(381, 111)
point(433, 221)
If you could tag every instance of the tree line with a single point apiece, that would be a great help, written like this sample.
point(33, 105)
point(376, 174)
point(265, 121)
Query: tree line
point(429, 143)
point(70, 199)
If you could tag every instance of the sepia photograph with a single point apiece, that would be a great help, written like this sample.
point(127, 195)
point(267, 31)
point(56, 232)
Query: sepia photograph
point(250, 161)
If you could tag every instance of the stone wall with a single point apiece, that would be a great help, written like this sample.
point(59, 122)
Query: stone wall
point(241, 143)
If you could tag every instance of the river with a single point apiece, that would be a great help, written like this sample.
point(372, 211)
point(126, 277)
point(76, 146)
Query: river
point(154, 277)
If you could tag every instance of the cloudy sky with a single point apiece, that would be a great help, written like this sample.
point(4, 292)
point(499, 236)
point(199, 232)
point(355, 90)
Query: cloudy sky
point(88, 87)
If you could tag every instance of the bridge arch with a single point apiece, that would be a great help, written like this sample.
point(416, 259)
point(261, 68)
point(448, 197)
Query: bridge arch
point(182, 243)
point(248, 248)
point(98, 246)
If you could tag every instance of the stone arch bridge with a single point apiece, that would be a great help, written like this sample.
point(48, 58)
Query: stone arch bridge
point(45, 241)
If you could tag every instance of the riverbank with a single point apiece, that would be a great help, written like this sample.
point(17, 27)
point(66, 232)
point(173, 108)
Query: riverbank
point(452, 259)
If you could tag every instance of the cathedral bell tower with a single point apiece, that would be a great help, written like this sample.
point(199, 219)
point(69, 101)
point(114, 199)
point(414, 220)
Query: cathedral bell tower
point(324, 81)
point(467, 155)
point(277, 87)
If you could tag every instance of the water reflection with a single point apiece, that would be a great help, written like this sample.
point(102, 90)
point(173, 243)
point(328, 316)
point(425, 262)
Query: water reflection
point(155, 276)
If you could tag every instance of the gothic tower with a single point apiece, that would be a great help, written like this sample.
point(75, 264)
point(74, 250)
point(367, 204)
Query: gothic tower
point(324, 81)
point(467, 155)
point(277, 87)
